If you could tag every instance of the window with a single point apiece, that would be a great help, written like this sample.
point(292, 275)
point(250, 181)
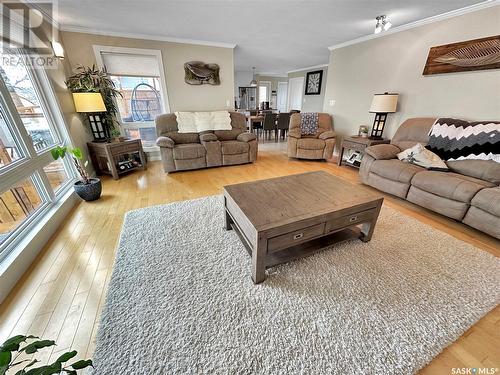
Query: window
point(16, 205)
point(25, 98)
point(30, 125)
point(138, 75)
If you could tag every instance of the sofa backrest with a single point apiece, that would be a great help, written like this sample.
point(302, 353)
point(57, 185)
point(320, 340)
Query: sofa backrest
point(325, 123)
point(166, 125)
point(413, 131)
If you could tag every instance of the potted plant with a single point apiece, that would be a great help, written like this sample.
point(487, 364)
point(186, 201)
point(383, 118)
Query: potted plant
point(116, 136)
point(13, 348)
point(92, 79)
point(363, 131)
point(89, 189)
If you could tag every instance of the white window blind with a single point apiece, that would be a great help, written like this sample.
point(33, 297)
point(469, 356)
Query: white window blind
point(123, 64)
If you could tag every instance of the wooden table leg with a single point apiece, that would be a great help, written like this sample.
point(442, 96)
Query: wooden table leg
point(368, 228)
point(341, 155)
point(259, 261)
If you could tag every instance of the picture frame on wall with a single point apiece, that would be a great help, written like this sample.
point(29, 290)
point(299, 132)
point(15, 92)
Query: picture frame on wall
point(313, 82)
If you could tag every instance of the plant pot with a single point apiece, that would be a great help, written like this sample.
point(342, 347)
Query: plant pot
point(89, 192)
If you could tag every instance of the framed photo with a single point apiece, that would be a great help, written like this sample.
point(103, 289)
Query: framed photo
point(313, 82)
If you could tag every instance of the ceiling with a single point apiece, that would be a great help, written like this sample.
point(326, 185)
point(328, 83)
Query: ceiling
point(275, 36)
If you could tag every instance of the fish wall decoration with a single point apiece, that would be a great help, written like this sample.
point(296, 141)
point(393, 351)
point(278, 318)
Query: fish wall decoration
point(199, 73)
point(477, 54)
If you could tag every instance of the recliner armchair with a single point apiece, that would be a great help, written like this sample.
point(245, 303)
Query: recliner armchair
point(185, 151)
point(314, 147)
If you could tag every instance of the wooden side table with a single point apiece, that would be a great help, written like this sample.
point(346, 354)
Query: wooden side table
point(111, 158)
point(358, 143)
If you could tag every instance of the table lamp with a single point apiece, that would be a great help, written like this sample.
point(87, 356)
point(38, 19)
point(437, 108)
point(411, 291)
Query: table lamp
point(92, 104)
point(382, 104)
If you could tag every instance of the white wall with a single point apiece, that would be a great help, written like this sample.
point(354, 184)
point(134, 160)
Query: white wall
point(394, 63)
point(312, 103)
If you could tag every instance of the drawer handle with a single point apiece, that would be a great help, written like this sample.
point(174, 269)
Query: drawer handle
point(353, 219)
point(298, 236)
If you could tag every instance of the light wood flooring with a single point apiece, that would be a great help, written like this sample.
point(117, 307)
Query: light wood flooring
point(60, 297)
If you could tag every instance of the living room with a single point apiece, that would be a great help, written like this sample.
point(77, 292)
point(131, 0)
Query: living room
point(181, 194)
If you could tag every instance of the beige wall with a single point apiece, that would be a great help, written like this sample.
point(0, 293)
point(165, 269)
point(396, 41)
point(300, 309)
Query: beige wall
point(395, 62)
point(274, 83)
point(312, 103)
point(182, 97)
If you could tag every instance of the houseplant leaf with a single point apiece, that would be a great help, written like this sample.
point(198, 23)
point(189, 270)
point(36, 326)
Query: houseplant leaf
point(13, 343)
point(66, 356)
point(5, 358)
point(78, 365)
point(34, 346)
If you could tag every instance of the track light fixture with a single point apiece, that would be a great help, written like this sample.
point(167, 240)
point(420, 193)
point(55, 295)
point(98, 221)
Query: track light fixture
point(383, 24)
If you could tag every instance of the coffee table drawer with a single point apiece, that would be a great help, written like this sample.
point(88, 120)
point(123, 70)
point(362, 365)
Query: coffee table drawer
point(293, 238)
point(352, 219)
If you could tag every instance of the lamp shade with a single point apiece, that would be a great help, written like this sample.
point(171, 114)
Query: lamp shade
point(384, 103)
point(88, 102)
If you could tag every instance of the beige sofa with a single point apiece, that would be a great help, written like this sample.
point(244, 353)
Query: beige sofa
point(317, 146)
point(184, 151)
point(469, 192)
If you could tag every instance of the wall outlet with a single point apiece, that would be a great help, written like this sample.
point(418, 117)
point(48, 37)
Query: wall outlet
point(331, 102)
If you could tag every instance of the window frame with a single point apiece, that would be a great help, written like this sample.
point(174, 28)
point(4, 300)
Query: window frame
point(31, 165)
point(99, 49)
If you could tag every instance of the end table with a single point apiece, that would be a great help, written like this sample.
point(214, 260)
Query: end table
point(116, 158)
point(358, 143)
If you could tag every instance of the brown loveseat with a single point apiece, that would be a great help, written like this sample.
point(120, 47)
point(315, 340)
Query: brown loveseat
point(469, 192)
point(184, 151)
point(317, 146)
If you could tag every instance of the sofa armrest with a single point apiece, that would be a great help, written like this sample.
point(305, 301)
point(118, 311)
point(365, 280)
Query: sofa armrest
point(209, 137)
point(327, 134)
point(294, 133)
point(163, 141)
point(383, 151)
point(245, 137)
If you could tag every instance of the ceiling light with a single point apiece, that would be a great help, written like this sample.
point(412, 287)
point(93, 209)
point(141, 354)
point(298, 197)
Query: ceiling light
point(383, 24)
point(253, 82)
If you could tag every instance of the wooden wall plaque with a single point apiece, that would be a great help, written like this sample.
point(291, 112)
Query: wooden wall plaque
point(476, 54)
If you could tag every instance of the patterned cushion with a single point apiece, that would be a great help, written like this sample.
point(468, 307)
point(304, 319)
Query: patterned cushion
point(454, 139)
point(309, 123)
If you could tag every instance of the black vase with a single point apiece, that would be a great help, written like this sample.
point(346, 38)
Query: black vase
point(89, 192)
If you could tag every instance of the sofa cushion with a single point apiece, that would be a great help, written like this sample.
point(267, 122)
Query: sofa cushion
point(488, 200)
point(311, 144)
point(449, 185)
point(189, 151)
point(395, 170)
point(179, 138)
point(488, 170)
point(419, 155)
point(246, 137)
point(228, 135)
point(234, 147)
point(383, 151)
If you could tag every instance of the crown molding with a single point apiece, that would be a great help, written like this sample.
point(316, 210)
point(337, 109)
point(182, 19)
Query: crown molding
point(275, 75)
point(86, 30)
point(308, 68)
point(425, 21)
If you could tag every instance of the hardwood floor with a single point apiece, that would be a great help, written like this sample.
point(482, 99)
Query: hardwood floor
point(60, 297)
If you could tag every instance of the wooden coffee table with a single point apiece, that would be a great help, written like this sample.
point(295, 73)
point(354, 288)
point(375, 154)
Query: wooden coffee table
point(285, 218)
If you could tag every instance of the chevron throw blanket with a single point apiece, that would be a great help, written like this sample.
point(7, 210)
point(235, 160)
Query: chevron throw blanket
point(309, 123)
point(454, 139)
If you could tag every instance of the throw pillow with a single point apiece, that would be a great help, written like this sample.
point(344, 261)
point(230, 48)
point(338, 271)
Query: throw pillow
point(419, 155)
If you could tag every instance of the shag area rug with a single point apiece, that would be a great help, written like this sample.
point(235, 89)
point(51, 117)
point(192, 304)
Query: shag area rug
point(181, 300)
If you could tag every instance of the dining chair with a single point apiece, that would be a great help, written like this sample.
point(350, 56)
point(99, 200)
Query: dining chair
point(283, 124)
point(253, 112)
point(292, 111)
point(270, 125)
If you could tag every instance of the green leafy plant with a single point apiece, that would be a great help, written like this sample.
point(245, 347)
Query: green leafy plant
point(115, 133)
point(93, 79)
point(76, 155)
point(13, 348)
